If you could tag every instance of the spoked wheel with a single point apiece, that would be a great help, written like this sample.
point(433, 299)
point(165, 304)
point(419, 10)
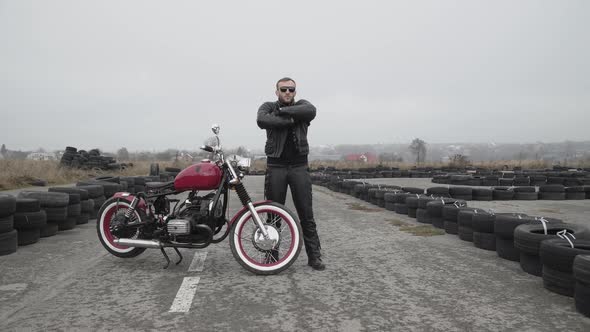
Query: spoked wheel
point(274, 254)
point(109, 216)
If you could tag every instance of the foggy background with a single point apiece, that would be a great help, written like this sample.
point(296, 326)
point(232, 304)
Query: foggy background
point(150, 75)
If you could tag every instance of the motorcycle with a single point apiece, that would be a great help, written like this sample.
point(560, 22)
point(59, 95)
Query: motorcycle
point(264, 237)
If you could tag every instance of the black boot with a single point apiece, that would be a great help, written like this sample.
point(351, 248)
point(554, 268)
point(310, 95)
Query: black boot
point(316, 263)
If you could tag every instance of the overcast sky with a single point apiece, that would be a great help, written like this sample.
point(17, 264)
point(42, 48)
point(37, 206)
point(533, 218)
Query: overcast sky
point(154, 75)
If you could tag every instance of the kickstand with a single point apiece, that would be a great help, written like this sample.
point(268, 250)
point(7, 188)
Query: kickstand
point(165, 256)
point(179, 255)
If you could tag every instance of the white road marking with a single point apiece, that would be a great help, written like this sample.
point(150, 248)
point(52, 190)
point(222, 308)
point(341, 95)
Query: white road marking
point(198, 262)
point(185, 295)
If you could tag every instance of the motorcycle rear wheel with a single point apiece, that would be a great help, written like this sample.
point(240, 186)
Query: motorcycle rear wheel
point(105, 215)
point(259, 257)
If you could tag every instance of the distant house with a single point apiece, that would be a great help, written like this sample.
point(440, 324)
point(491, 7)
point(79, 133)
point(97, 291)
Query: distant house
point(364, 157)
point(41, 156)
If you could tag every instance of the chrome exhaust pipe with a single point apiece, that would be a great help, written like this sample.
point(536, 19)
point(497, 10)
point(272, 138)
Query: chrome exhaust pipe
point(139, 243)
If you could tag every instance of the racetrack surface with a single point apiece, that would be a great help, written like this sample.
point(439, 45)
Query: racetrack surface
point(377, 278)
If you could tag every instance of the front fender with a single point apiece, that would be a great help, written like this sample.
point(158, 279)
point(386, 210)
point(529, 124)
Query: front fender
point(244, 209)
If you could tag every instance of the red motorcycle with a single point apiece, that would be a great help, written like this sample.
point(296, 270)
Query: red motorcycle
point(264, 237)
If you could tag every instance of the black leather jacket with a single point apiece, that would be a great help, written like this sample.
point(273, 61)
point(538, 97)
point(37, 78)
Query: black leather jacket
point(277, 119)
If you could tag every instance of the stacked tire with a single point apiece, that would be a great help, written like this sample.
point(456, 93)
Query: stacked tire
point(95, 196)
point(55, 206)
point(29, 219)
point(557, 256)
point(555, 192)
point(482, 224)
point(504, 226)
point(85, 207)
point(581, 271)
point(8, 235)
point(528, 239)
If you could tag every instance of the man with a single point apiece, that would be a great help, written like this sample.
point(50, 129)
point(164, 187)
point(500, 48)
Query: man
point(286, 123)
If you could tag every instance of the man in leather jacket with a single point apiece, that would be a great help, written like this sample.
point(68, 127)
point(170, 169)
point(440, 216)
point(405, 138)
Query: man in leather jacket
point(286, 123)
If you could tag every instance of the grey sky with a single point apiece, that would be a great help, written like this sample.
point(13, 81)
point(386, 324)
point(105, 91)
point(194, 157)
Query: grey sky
point(153, 75)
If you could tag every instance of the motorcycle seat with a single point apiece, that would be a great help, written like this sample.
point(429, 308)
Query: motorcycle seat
point(159, 185)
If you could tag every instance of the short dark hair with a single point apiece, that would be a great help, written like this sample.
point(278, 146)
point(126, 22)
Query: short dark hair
point(285, 79)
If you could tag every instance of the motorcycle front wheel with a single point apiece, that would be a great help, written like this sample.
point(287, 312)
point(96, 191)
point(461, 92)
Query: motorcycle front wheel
point(266, 256)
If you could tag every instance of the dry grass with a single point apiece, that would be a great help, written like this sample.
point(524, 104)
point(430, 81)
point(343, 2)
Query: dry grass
point(19, 173)
point(360, 207)
point(425, 230)
point(397, 223)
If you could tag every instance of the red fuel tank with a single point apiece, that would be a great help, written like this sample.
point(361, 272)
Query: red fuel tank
point(202, 176)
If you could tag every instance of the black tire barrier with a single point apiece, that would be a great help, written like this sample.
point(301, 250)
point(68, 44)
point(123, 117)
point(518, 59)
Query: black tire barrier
point(438, 191)
point(450, 212)
point(504, 224)
point(558, 253)
point(47, 199)
point(30, 220)
point(482, 194)
point(505, 249)
point(422, 216)
point(465, 233)
point(69, 223)
point(6, 224)
point(412, 212)
point(483, 222)
point(27, 205)
point(423, 201)
point(390, 206)
point(94, 190)
point(575, 195)
point(582, 298)
point(486, 241)
point(558, 282)
point(82, 219)
point(74, 210)
point(28, 236)
point(389, 197)
point(83, 193)
point(552, 196)
point(412, 201)
point(451, 227)
point(526, 196)
point(109, 188)
point(581, 268)
point(413, 190)
point(502, 194)
point(531, 264)
point(172, 169)
point(50, 229)
point(107, 178)
point(400, 208)
point(8, 242)
point(458, 192)
point(552, 188)
point(87, 206)
point(56, 214)
point(7, 205)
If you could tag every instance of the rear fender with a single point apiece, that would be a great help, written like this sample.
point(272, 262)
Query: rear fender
point(244, 209)
point(129, 198)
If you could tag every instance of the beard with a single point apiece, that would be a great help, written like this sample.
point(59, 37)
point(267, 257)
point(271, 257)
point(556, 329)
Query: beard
point(284, 102)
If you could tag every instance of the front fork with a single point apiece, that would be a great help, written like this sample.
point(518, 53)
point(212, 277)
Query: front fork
point(246, 201)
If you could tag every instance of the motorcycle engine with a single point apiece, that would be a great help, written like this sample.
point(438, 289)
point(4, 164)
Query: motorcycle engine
point(179, 227)
point(194, 221)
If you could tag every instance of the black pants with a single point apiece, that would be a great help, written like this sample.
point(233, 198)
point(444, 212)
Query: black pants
point(297, 178)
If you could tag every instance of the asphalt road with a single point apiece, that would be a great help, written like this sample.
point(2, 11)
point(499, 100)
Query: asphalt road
point(377, 278)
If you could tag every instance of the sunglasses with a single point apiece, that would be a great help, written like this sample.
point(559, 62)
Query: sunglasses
point(290, 89)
